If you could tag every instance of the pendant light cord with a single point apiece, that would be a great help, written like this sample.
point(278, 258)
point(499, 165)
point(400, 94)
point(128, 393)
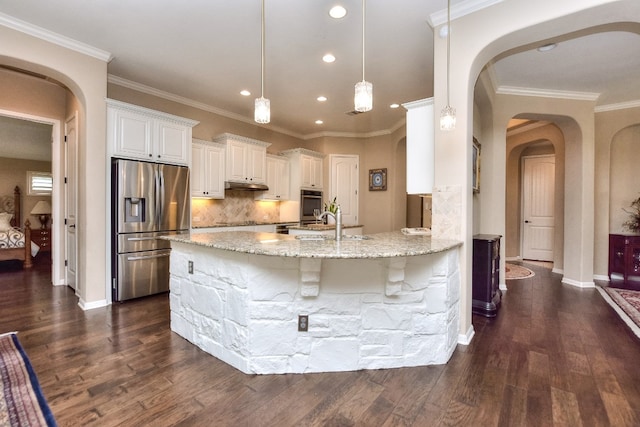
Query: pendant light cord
point(448, 47)
point(363, 25)
point(262, 53)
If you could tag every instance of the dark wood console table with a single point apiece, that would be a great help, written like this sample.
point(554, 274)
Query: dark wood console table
point(624, 261)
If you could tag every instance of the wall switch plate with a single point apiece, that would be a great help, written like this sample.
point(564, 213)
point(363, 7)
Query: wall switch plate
point(303, 323)
point(190, 267)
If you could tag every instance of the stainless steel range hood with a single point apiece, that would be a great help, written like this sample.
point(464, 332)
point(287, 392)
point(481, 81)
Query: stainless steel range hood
point(244, 186)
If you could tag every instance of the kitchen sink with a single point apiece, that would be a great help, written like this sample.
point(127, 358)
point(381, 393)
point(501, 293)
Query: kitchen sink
point(331, 237)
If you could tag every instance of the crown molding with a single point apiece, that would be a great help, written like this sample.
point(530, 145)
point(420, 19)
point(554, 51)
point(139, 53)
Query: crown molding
point(459, 10)
point(55, 38)
point(547, 93)
point(618, 106)
point(206, 107)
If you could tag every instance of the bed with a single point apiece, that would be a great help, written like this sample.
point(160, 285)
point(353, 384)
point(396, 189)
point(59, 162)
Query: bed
point(15, 243)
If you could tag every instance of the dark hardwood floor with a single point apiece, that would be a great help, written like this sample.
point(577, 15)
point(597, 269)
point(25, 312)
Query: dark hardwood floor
point(555, 355)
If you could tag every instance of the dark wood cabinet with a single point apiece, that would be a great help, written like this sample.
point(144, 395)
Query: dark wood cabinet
point(42, 238)
point(486, 293)
point(624, 260)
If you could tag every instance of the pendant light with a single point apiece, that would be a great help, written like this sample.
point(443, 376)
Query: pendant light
point(448, 114)
point(263, 106)
point(363, 98)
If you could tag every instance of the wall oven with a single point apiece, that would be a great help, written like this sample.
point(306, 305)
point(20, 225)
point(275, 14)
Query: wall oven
point(309, 200)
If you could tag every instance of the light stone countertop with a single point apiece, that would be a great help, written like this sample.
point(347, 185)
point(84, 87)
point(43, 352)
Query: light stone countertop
point(322, 227)
point(382, 245)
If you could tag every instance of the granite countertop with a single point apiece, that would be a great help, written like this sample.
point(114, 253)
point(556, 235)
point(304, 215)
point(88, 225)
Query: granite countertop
point(240, 223)
point(381, 245)
point(321, 227)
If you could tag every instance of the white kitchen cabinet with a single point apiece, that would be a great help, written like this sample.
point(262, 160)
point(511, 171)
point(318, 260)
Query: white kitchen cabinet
point(277, 179)
point(246, 158)
point(306, 169)
point(311, 172)
point(207, 169)
point(420, 146)
point(143, 134)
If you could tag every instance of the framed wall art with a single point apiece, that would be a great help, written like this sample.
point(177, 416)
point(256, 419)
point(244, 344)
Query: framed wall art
point(476, 166)
point(378, 179)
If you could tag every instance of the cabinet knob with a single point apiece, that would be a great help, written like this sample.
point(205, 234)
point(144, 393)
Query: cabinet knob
point(526, 221)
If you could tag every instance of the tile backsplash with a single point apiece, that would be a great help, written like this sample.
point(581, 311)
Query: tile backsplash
point(237, 206)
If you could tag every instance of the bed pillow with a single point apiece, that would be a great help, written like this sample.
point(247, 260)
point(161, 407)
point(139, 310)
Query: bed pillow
point(5, 219)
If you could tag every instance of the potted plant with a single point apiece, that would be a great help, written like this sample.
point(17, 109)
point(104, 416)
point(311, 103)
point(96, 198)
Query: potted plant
point(633, 223)
point(333, 208)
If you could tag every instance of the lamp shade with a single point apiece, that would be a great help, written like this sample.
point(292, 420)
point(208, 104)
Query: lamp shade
point(41, 208)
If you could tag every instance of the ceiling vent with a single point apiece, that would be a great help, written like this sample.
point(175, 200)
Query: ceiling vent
point(354, 113)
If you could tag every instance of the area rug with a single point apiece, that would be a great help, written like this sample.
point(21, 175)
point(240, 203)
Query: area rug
point(626, 303)
point(513, 271)
point(21, 400)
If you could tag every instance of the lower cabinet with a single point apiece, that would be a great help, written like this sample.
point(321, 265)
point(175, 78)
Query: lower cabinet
point(486, 294)
point(624, 260)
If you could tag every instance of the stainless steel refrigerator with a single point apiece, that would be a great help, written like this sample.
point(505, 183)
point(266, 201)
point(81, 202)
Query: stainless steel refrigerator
point(148, 200)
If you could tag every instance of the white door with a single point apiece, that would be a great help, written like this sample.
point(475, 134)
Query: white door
point(344, 186)
point(538, 207)
point(70, 203)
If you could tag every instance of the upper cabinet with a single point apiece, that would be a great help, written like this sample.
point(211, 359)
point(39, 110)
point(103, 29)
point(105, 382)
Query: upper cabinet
point(420, 146)
point(306, 169)
point(143, 134)
point(246, 158)
point(207, 169)
point(277, 179)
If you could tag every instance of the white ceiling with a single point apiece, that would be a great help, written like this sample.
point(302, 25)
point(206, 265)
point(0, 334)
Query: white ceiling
point(206, 51)
point(22, 139)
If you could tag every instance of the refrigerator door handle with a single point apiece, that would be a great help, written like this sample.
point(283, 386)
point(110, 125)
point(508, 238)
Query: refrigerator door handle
point(162, 191)
point(156, 191)
point(137, 258)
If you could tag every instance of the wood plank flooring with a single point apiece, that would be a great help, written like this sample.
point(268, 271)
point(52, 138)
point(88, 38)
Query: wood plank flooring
point(554, 356)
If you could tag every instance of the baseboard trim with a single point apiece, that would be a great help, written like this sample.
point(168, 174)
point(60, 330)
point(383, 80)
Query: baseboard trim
point(577, 284)
point(91, 305)
point(558, 270)
point(503, 286)
point(465, 339)
point(601, 277)
point(512, 258)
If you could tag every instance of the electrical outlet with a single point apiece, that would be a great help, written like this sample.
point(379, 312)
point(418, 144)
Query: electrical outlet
point(303, 323)
point(190, 267)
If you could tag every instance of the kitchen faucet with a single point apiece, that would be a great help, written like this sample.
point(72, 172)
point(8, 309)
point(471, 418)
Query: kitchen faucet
point(338, 217)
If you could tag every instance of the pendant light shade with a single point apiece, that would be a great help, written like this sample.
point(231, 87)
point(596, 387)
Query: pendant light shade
point(262, 112)
point(363, 99)
point(448, 114)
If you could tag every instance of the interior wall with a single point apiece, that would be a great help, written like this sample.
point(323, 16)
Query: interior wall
point(608, 125)
point(14, 172)
point(625, 186)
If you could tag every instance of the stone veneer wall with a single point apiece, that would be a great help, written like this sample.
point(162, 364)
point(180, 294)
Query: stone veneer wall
point(237, 206)
point(243, 309)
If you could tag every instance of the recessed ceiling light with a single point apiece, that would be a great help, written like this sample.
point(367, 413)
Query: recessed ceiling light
point(547, 47)
point(394, 105)
point(245, 92)
point(321, 98)
point(328, 58)
point(319, 122)
point(337, 12)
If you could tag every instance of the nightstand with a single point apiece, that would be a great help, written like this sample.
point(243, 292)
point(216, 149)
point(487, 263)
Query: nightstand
point(42, 238)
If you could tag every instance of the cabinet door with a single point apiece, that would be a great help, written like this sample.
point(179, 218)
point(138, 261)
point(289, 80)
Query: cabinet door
point(215, 172)
point(316, 171)
point(256, 163)
point(282, 179)
point(133, 134)
point(272, 181)
point(198, 170)
point(236, 161)
point(306, 171)
point(172, 143)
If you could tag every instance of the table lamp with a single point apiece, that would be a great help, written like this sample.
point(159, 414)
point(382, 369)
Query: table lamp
point(43, 210)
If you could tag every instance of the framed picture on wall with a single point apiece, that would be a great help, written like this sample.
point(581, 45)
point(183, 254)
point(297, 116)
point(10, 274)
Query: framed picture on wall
point(378, 179)
point(476, 166)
